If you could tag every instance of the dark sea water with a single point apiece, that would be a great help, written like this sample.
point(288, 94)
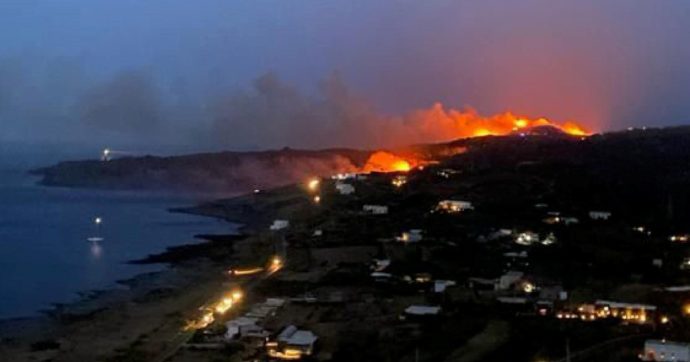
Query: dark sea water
point(45, 254)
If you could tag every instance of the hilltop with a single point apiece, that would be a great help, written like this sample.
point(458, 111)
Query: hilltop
point(239, 172)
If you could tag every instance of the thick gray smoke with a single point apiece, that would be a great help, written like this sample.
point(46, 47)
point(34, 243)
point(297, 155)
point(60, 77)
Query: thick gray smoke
point(128, 103)
point(134, 106)
point(275, 114)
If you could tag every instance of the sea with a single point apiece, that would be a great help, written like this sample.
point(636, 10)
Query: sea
point(51, 248)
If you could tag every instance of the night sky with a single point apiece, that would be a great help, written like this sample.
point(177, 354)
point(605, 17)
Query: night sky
point(187, 73)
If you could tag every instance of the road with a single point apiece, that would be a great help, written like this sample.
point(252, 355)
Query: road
point(184, 335)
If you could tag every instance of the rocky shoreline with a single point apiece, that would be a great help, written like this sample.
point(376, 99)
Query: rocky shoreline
point(187, 265)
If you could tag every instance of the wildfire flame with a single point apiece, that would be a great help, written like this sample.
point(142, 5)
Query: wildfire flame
point(382, 161)
point(438, 123)
point(443, 124)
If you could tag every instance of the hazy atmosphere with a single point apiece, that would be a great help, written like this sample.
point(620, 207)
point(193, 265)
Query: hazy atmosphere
point(345, 180)
point(248, 75)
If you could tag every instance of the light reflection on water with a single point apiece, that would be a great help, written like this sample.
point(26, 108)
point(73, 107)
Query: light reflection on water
point(96, 249)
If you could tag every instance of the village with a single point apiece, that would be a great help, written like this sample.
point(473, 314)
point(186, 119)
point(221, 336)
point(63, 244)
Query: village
point(442, 262)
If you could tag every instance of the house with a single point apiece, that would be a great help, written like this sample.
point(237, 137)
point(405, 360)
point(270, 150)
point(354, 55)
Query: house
point(527, 238)
point(549, 239)
point(512, 300)
point(412, 236)
point(380, 264)
point(569, 220)
point(629, 312)
point(381, 276)
point(279, 225)
point(663, 350)
point(507, 280)
point(375, 209)
point(680, 238)
point(448, 172)
point(599, 215)
point(292, 343)
point(344, 176)
point(454, 206)
point(441, 285)
point(422, 310)
point(241, 327)
point(399, 181)
point(499, 234)
point(513, 254)
point(265, 309)
point(565, 220)
point(344, 188)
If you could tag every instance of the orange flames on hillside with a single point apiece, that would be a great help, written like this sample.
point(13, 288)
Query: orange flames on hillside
point(382, 161)
point(441, 124)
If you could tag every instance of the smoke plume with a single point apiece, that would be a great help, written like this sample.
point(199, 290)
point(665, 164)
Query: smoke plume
point(128, 103)
point(276, 114)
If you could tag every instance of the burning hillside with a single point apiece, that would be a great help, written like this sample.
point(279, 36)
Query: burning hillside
point(382, 161)
point(276, 114)
point(440, 124)
point(241, 171)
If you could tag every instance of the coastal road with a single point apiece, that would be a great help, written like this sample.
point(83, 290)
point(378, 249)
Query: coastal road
point(184, 335)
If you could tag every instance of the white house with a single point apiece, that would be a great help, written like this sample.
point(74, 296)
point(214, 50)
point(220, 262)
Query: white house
point(662, 350)
point(549, 239)
point(279, 225)
point(599, 215)
point(381, 276)
point(380, 264)
point(507, 280)
point(344, 176)
point(441, 285)
point(527, 238)
point(375, 209)
point(242, 326)
point(454, 206)
point(292, 343)
point(344, 188)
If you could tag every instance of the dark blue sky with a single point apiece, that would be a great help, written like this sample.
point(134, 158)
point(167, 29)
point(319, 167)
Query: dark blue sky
point(161, 71)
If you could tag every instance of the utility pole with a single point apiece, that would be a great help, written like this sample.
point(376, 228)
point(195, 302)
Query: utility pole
point(567, 350)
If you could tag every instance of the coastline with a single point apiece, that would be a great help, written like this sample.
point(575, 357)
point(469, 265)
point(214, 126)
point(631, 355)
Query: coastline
point(193, 272)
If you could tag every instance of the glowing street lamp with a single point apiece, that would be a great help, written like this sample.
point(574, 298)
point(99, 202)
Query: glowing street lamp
point(237, 295)
point(313, 184)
